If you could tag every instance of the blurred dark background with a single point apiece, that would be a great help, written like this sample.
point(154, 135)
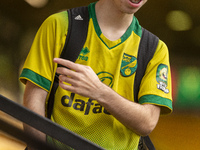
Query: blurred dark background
point(177, 23)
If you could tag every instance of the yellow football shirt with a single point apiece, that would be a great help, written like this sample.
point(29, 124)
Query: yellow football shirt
point(115, 63)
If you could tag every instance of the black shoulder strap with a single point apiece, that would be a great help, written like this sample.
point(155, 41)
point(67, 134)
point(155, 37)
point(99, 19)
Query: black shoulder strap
point(147, 48)
point(75, 40)
point(77, 33)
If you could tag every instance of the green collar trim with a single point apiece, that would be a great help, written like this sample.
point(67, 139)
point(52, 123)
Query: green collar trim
point(134, 27)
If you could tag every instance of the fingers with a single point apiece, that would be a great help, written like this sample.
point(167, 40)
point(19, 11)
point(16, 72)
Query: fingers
point(67, 72)
point(77, 78)
point(66, 79)
point(66, 86)
point(68, 64)
point(73, 70)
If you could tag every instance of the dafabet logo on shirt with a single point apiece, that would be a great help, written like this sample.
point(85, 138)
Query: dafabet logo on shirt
point(129, 65)
point(88, 106)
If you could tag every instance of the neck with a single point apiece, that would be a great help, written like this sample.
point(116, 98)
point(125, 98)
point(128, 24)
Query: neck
point(112, 21)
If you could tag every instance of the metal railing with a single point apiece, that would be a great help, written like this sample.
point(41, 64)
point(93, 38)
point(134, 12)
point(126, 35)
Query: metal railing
point(42, 124)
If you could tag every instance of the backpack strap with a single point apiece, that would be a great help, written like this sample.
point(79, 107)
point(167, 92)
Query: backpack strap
point(75, 40)
point(77, 33)
point(147, 48)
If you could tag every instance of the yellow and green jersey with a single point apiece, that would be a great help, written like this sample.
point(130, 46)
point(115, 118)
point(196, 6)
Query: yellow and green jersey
point(115, 63)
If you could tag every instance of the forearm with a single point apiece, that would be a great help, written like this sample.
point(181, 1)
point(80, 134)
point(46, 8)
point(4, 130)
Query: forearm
point(141, 119)
point(34, 99)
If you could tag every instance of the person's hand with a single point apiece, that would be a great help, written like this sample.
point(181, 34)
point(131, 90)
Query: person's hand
point(81, 79)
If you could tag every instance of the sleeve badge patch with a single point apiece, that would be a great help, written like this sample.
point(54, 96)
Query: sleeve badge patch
point(162, 78)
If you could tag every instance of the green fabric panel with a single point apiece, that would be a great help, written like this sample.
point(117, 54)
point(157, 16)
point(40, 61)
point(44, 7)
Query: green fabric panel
point(166, 104)
point(36, 78)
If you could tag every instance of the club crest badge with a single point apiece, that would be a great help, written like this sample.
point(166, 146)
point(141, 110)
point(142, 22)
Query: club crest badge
point(128, 66)
point(162, 78)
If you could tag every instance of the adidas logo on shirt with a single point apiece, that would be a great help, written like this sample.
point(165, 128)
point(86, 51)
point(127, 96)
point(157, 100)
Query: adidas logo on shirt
point(78, 17)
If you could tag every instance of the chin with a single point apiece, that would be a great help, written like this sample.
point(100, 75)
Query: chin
point(130, 11)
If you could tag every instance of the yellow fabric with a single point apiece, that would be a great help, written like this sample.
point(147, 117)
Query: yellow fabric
point(147, 87)
point(114, 62)
point(46, 46)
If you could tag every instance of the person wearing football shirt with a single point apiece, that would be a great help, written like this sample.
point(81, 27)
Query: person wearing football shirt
point(95, 97)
